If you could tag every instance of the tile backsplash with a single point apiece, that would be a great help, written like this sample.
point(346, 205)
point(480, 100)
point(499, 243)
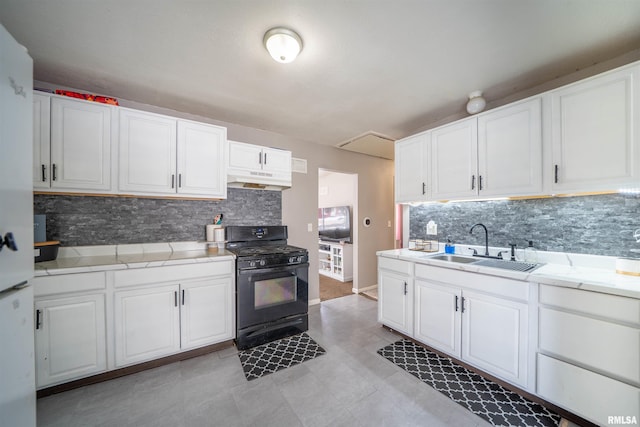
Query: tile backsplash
point(92, 220)
point(598, 225)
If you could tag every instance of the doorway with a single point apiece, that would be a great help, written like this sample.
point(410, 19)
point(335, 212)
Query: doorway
point(337, 233)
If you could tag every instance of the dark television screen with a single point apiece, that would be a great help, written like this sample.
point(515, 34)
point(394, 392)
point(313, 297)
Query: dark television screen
point(334, 224)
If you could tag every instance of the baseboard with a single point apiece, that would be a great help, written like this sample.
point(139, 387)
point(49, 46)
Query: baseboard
point(314, 301)
point(368, 288)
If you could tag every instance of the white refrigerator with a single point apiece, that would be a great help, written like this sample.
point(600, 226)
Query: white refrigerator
point(17, 361)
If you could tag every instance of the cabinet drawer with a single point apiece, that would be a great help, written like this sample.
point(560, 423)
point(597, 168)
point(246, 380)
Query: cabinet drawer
point(402, 267)
point(176, 274)
point(590, 395)
point(606, 347)
point(610, 306)
point(480, 282)
point(64, 283)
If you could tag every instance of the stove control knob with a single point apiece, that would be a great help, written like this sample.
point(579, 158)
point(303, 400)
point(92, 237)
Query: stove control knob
point(252, 264)
point(292, 260)
point(300, 259)
point(262, 262)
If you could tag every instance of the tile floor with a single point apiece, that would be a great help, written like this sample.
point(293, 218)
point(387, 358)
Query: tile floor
point(351, 385)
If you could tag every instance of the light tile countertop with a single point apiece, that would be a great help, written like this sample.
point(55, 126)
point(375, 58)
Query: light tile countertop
point(83, 259)
point(587, 272)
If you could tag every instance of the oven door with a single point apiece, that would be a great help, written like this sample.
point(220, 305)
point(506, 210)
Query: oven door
point(269, 294)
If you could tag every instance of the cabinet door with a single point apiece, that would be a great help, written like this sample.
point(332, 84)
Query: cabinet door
point(201, 159)
point(412, 168)
point(41, 141)
point(395, 304)
point(147, 324)
point(494, 336)
point(595, 133)
point(244, 156)
point(147, 153)
point(437, 316)
point(207, 313)
point(70, 338)
point(80, 145)
point(454, 159)
point(510, 150)
point(275, 160)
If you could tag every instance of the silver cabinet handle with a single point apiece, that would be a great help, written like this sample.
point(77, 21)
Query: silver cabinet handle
point(473, 182)
point(180, 180)
point(173, 181)
point(53, 172)
point(44, 173)
point(405, 288)
point(480, 182)
point(456, 303)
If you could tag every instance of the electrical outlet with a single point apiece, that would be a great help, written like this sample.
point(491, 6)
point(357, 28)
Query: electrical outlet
point(309, 227)
point(389, 224)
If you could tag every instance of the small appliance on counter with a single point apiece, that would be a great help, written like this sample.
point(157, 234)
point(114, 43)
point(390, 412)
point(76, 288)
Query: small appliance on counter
point(46, 251)
point(43, 250)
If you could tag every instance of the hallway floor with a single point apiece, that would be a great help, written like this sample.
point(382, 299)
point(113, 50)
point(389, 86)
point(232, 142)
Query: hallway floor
point(332, 288)
point(350, 385)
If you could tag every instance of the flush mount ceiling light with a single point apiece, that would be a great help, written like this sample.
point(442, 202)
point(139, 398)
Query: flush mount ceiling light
point(476, 102)
point(283, 44)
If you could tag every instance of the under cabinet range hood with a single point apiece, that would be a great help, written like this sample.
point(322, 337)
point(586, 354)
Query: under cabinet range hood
point(257, 167)
point(257, 180)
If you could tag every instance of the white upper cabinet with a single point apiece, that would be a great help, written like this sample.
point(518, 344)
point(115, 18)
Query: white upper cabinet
point(595, 133)
point(147, 152)
point(454, 160)
point(201, 159)
point(256, 165)
point(80, 145)
point(41, 141)
point(161, 155)
point(412, 168)
point(510, 150)
point(496, 154)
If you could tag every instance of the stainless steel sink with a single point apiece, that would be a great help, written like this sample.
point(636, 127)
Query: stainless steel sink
point(454, 258)
point(486, 262)
point(507, 265)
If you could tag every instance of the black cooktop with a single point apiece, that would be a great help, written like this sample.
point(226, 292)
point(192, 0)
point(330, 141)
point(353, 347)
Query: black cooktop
point(254, 251)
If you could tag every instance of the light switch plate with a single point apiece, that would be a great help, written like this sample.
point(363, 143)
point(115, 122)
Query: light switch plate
point(310, 227)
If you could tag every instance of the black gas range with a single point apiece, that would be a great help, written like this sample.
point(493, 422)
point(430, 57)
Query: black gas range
point(272, 284)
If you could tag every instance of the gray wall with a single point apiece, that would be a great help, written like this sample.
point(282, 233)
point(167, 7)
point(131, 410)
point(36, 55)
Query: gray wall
point(88, 220)
point(599, 225)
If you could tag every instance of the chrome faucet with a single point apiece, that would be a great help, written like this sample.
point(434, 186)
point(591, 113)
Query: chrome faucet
point(486, 237)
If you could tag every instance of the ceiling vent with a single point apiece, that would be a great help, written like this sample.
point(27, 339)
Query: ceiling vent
point(370, 143)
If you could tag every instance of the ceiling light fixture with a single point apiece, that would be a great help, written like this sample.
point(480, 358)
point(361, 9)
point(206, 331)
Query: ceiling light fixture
point(283, 44)
point(476, 102)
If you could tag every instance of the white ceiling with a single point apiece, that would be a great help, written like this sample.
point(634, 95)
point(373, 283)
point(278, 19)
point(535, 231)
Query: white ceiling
point(387, 66)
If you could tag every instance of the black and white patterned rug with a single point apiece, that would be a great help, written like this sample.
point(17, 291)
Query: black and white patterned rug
point(494, 403)
point(271, 357)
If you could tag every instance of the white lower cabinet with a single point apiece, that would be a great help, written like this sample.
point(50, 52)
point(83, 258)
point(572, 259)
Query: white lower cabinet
point(147, 324)
point(395, 294)
point(486, 331)
point(494, 335)
point(437, 316)
point(70, 338)
point(206, 313)
point(593, 396)
point(90, 323)
point(589, 353)
point(172, 309)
